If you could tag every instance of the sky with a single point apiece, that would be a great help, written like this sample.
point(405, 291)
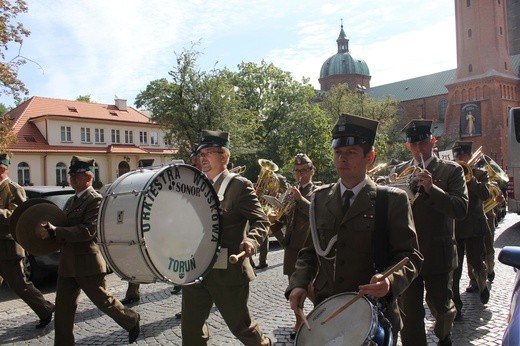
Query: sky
point(115, 48)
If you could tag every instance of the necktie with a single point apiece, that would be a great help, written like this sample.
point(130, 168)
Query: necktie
point(346, 199)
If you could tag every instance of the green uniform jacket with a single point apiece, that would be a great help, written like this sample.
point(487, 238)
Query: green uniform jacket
point(353, 264)
point(296, 229)
point(80, 255)
point(242, 218)
point(11, 195)
point(475, 223)
point(434, 215)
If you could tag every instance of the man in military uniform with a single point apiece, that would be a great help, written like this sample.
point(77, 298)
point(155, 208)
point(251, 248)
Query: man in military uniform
point(244, 228)
point(341, 255)
point(296, 220)
point(12, 254)
point(442, 197)
point(81, 265)
point(470, 231)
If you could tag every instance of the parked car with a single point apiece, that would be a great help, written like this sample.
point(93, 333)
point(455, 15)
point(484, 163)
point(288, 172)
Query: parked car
point(39, 268)
point(510, 255)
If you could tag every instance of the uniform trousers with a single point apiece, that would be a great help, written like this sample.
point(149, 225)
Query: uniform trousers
point(475, 252)
point(231, 301)
point(489, 242)
point(132, 292)
point(439, 299)
point(12, 272)
point(68, 290)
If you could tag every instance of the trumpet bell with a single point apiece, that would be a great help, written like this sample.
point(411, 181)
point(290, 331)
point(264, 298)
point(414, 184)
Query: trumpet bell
point(268, 165)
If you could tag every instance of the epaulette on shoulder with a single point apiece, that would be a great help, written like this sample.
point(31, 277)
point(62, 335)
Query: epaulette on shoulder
point(448, 162)
point(15, 184)
point(323, 187)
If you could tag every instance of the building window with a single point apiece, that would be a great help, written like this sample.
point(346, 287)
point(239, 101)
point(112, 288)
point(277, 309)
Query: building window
point(85, 135)
point(443, 106)
point(96, 174)
point(99, 135)
point(470, 68)
point(500, 31)
point(129, 137)
point(468, 3)
point(469, 32)
point(61, 174)
point(143, 137)
point(400, 113)
point(167, 141)
point(66, 134)
point(24, 174)
point(154, 138)
point(116, 136)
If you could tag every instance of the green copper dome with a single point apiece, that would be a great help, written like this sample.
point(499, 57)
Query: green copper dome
point(342, 62)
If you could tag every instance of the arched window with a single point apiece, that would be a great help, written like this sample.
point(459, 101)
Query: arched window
point(470, 68)
point(468, 3)
point(469, 32)
point(24, 174)
point(443, 106)
point(122, 168)
point(61, 174)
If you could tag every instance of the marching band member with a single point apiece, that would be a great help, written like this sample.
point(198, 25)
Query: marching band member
point(470, 231)
point(12, 254)
point(296, 222)
point(81, 267)
point(444, 198)
point(228, 285)
point(340, 254)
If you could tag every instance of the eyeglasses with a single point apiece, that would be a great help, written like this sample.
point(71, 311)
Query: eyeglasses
point(302, 171)
point(201, 154)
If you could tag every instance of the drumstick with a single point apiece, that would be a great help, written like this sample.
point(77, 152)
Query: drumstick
point(386, 273)
point(234, 258)
point(304, 318)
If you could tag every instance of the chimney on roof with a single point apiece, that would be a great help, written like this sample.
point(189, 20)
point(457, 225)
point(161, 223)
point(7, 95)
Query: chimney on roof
point(120, 104)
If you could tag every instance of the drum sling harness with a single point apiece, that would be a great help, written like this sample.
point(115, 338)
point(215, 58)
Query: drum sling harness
point(380, 241)
point(224, 185)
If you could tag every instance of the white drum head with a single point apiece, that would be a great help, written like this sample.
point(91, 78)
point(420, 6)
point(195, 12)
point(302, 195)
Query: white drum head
point(352, 327)
point(180, 223)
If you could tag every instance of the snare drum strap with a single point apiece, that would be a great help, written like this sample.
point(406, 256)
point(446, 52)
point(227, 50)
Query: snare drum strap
point(224, 186)
point(380, 241)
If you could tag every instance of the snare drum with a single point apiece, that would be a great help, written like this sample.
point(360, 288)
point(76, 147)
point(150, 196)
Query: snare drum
point(160, 224)
point(357, 325)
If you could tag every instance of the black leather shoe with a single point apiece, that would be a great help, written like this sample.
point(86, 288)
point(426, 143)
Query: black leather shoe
point(262, 266)
point(178, 315)
point(176, 289)
point(484, 296)
point(128, 301)
point(491, 276)
point(292, 335)
point(45, 321)
point(446, 341)
point(472, 288)
point(134, 332)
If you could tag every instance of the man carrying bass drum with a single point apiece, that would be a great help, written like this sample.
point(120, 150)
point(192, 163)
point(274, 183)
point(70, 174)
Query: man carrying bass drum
point(341, 255)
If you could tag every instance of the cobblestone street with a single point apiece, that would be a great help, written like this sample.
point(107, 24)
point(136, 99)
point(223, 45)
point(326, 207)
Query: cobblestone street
point(481, 325)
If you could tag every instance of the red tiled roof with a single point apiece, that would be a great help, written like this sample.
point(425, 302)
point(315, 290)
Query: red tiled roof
point(29, 138)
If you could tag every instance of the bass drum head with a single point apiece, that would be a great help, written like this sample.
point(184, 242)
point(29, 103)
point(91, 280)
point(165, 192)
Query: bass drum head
point(181, 223)
point(352, 327)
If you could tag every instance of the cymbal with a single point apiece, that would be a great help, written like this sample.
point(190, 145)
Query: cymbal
point(13, 220)
point(30, 222)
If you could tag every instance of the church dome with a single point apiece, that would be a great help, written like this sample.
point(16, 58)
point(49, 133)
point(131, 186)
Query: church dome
point(342, 63)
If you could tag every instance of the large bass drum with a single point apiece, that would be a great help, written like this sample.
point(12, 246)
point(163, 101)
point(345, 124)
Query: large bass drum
point(357, 325)
point(160, 224)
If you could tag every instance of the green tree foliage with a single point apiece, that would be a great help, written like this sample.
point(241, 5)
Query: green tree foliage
point(11, 35)
point(192, 101)
point(84, 98)
point(7, 135)
point(389, 143)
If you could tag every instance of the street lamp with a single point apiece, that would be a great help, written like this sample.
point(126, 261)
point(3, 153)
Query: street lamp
point(361, 89)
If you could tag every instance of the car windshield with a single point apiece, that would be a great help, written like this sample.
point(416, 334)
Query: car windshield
point(59, 200)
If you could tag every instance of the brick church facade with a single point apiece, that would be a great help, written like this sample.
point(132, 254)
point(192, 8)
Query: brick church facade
point(470, 102)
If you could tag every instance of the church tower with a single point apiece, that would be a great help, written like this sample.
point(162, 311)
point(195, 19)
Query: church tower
point(485, 85)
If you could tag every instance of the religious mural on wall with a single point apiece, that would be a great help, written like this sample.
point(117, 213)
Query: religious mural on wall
point(470, 119)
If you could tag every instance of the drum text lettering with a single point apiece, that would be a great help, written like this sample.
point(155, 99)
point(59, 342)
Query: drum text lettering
point(180, 266)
